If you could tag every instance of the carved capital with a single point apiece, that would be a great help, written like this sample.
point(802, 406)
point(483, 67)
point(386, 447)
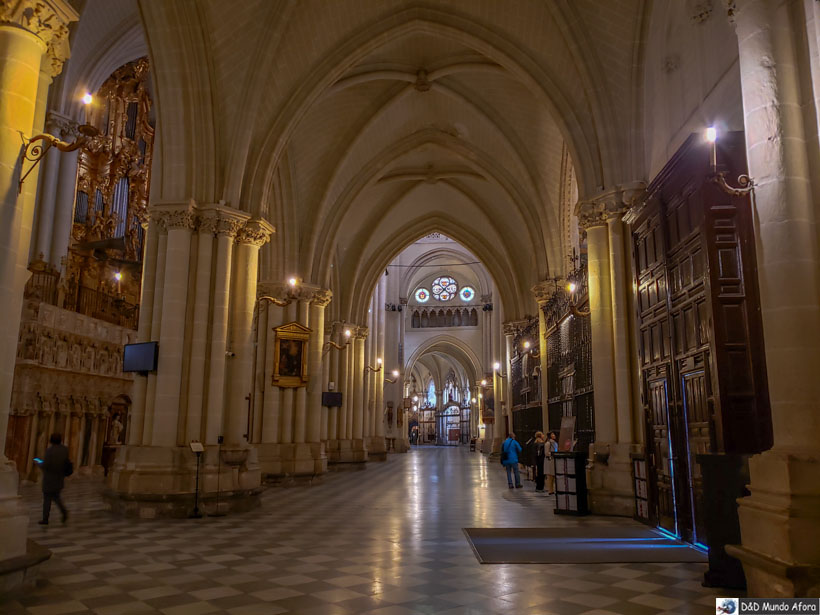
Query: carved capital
point(321, 297)
point(174, 215)
point(255, 232)
point(47, 20)
point(609, 204)
point(360, 332)
point(61, 126)
point(544, 291)
point(515, 327)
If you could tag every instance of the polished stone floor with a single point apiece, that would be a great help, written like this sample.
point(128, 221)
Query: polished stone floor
point(387, 540)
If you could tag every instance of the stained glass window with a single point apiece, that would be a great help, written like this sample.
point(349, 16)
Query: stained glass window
point(444, 288)
point(422, 295)
point(467, 293)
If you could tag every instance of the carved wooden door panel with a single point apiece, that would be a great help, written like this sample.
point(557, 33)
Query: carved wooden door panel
point(664, 488)
point(697, 416)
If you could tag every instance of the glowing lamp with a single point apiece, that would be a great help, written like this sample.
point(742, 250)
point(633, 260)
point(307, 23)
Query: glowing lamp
point(496, 366)
point(88, 99)
point(483, 383)
point(379, 360)
point(571, 287)
point(711, 134)
point(118, 276)
point(292, 281)
point(526, 345)
point(347, 332)
point(395, 373)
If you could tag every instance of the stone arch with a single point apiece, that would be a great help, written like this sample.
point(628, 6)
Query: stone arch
point(448, 344)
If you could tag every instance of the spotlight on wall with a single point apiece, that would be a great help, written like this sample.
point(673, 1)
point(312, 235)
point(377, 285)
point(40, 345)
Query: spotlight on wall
point(88, 99)
point(292, 282)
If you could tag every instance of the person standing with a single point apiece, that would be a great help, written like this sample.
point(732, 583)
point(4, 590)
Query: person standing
point(510, 450)
point(55, 467)
point(540, 454)
point(551, 447)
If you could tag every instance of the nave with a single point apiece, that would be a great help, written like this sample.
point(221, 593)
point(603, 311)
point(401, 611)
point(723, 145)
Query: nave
point(387, 540)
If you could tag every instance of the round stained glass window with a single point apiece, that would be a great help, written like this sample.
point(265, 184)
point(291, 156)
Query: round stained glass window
point(444, 288)
point(467, 294)
point(422, 295)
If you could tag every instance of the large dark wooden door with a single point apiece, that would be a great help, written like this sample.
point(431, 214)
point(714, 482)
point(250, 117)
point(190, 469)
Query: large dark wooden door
point(700, 336)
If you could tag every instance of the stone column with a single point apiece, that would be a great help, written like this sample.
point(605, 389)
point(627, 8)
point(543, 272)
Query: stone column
point(156, 328)
point(199, 330)
point(543, 291)
point(610, 486)
point(377, 448)
point(33, 35)
point(228, 223)
point(510, 329)
point(179, 219)
point(243, 299)
point(65, 129)
point(780, 520)
point(270, 417)
point(359, 337)
point(149, 272)
point(64, 202)
point(318, 304)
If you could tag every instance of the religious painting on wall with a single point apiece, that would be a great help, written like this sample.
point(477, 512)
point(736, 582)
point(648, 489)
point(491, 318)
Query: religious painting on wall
point(290, 355)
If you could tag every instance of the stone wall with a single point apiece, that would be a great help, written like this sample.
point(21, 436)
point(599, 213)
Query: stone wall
point(68, 378)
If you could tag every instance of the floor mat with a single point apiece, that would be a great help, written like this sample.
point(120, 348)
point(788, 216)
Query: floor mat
point(578, 545)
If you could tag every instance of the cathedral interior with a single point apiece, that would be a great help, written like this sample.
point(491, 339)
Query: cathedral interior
point(284, 275)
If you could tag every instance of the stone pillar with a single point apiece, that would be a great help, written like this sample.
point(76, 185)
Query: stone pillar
point(226, 228)
point(359, 337)
point(64, 202)
point(199, 330)
point(315, 369)
point(611, 490)
point(243, 299)
point(780, 520)
point(33, 36)
point(178, 219)
point(270, 416)
point(543, 291)
point(149, 272)
point(156, 328)
point(65, 129)
point(510, 329)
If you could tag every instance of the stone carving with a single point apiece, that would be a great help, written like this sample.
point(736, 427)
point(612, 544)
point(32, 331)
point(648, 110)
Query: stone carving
point(255, 232)
point(47, 20)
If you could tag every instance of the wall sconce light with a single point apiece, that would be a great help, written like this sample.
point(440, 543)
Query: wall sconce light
point(747, 184)
point(393, 380)
point(527, 345)
point(330, 344)
point(87, 99)
point(370, 368)
point(483, 382)
point(35, 149)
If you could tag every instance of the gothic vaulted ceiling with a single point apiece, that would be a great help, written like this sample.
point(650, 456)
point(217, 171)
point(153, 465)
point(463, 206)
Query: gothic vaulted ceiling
point(358, 127)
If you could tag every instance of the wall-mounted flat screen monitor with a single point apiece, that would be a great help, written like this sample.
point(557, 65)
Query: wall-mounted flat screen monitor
point(140, 358)
point(332, 399)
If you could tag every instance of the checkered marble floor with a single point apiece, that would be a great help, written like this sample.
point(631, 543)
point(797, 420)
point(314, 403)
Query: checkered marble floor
point(386, 541)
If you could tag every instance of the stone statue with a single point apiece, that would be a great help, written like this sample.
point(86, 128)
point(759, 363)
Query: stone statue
point(62, 352)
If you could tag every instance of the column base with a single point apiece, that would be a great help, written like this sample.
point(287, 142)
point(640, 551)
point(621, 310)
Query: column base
point(609, 476)
point(292, 462)
point(18, 574)
point(15, 569)
point(346, 452)
point(376, 449)
point(780, 526)
point(157, 481)
point(401, 446)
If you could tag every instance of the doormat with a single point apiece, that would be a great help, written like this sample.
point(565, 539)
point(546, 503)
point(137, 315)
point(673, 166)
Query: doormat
point(578, 545)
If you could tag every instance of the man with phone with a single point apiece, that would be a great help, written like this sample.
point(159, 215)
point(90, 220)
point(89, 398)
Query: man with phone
point(55, 466)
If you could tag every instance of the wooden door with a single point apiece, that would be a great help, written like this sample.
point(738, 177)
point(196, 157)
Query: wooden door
point(663, 486)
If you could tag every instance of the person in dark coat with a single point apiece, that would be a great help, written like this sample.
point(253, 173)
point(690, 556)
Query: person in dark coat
point(54, 466)
point(540, 455)
point(510, 450)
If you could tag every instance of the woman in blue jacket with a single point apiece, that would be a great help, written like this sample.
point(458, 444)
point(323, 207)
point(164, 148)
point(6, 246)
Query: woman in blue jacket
point(510, 450)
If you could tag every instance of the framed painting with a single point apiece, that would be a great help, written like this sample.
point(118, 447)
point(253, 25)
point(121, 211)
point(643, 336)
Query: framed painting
point(290, 352)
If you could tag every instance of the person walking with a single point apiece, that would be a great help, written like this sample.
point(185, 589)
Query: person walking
point(510, 450)
point(551, 447)
point(540, 454)
point(55, 467)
